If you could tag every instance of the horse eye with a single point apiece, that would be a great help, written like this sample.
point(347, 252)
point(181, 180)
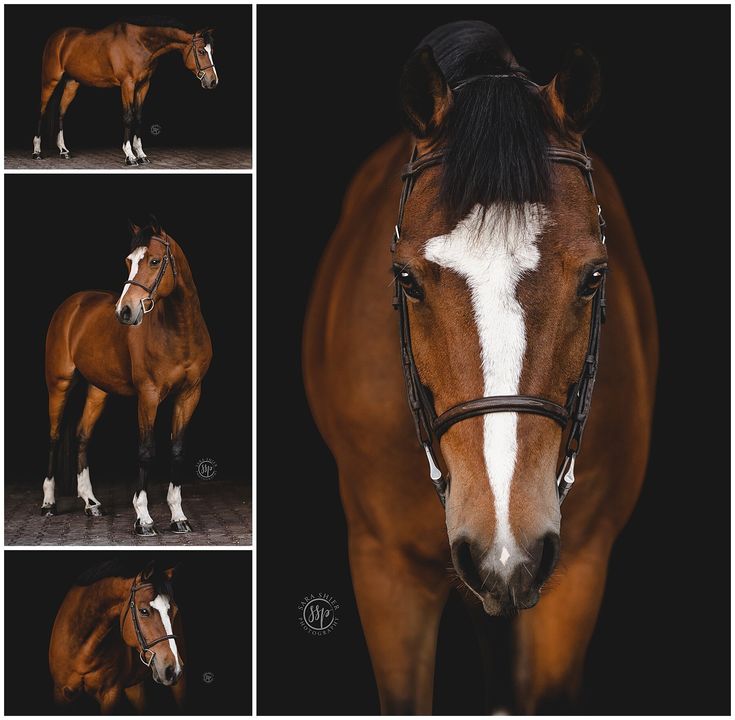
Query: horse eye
point(202, 52)
point(592, 282)
point(155, 261)
point(145, 612)
point(408, 282)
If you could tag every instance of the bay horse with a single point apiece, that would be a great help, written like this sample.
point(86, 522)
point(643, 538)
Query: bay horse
point(112, 632)
point(498, 271)
point(149, 343)
point(125, 55)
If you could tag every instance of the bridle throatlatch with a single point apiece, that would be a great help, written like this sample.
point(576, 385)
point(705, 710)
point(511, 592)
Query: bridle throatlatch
point(428, 425)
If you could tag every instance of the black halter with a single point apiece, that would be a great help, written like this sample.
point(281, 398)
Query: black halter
point(167, 258)
point(428, 425)
point(145, 647)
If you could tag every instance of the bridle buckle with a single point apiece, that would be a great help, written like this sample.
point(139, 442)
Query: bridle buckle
point(150, 308)
point(142, 656)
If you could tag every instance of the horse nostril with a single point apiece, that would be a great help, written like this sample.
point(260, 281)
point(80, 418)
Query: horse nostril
point(125, 313)
point(549, 557)
point(465, 564)
point(170, 672)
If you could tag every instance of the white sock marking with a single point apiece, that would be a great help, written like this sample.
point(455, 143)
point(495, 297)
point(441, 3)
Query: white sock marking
point(140, 503)
point(162, 604)
point(37, 144)
point(128, 151)
point(84, 489)
point(60, 142)
point(173, 498)
point(138, 146)
point(208, 48)
point(49, 497)
point(491, 257)
point(135, 257)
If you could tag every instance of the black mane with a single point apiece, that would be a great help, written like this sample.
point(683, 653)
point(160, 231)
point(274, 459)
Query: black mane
point(142, 238)
point(156, 21)
point(123, 567)
point(495, 133)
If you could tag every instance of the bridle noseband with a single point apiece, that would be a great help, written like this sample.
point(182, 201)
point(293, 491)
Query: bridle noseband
point(145, 647)
point(167, 258)
point(428, 425)
point(193, 48)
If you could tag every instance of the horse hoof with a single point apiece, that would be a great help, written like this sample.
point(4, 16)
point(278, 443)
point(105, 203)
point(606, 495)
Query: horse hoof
point(180, 527)
point(93, 511)
point(48, 510)
point(36, 156)
point(131, 161)
point(64, 156)
point(143, 161)
point(144, 530)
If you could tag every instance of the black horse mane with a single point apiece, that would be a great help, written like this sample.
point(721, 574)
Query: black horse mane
point(495, 132)
point(123, 568)
point(142, 238)
point(162, 21)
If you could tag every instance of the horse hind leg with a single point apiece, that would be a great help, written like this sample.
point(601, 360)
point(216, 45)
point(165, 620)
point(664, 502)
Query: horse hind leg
point(93, 407)
point(70, 91)
point(47, 90)
point(184, 407)
point(57, 397)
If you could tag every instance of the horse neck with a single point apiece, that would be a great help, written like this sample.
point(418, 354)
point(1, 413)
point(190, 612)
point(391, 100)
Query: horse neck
point(163, 40)
point(181, 308)
point(101, 610)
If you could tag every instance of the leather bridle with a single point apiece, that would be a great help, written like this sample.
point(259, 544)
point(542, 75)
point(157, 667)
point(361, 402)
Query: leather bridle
point(168, 257)
point(428, 425)
point(200, 70)
point(145, 646)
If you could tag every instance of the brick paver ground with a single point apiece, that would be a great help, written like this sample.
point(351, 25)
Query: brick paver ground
point(112, 159)
point(219, 512)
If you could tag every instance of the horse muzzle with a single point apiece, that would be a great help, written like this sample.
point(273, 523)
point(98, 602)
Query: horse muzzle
point(130, 314)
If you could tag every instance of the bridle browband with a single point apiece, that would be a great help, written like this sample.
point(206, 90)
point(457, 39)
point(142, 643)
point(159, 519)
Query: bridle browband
point(428, 425)
point(145, 647)
point(167, 258)
point(192, 48)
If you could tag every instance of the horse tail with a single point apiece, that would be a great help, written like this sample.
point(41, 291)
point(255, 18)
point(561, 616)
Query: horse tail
point(65, 472)
point(50, 117)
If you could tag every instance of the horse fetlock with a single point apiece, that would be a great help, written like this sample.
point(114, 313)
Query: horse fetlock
point(92, 506)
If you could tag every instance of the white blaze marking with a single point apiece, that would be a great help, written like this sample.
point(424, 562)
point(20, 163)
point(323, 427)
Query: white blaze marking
point(48, 492)
point(138, 146)
point(492, 257)
point(208, 48)
point(37, 144)
point(140, 503)
point(84, 489)
point(60, 142)
point(162, 604)
point(128, 151)
point(174, 502)
point(135, 257)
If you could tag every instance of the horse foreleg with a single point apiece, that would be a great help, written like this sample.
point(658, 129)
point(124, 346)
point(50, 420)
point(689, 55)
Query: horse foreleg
point(57, 396)
point(147, 408)
point(109, 700)
point(93, 407)
point(184, 407)
point(136, 696)
point(179, 693)
point(127, 90)
point(47, 90)
point(552, 638)
point(400, 600)
point(140, 93)
point(70, 91)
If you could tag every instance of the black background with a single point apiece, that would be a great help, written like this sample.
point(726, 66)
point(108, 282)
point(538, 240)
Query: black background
point(78, 240)
point(212, 591)
point(187, 113)
point(662, 641)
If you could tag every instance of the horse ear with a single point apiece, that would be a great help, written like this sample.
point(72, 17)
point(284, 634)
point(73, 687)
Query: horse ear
point(154, 223)
point(574, 93)
point(134, 229)
point(169, 573)
point(425, 95)
point(147, 572)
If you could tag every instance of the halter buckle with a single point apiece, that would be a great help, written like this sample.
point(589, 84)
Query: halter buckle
point(200, 74)
point(150, 308)
point(142, 656)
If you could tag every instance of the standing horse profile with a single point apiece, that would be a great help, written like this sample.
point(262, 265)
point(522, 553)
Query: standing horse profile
point(124, 55)
point(150, 343)
point(499, 262)
point(114, 630)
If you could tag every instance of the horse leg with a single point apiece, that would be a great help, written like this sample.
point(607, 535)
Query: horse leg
point(128, 95)
point(147, 408)
point(47, 90)
point(70, 91)
point(109, 700)
point(93, 407)
point(551, 640)
point(184, 407)
point(179, 693)
point(136, 696)
point(140, 92)
point(57, 395)
point(400, 600)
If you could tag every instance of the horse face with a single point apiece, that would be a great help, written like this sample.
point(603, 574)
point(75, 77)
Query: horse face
point(500, 303)
point(201, 59)
point(156, 614)
point(144, 266)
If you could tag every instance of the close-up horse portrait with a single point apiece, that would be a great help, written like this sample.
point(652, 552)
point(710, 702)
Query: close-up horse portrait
point(88, 49)
point(128, 633)
point(480, 354)
point(146, 349)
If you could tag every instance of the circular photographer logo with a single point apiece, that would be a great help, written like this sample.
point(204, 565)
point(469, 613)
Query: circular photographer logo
point(318, 614)
point(156, 129)
point(206, 468)
point(208, 677)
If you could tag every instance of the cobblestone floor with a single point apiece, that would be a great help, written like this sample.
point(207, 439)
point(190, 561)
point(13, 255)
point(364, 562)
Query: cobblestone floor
point(219, 513)
point(112, 159)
